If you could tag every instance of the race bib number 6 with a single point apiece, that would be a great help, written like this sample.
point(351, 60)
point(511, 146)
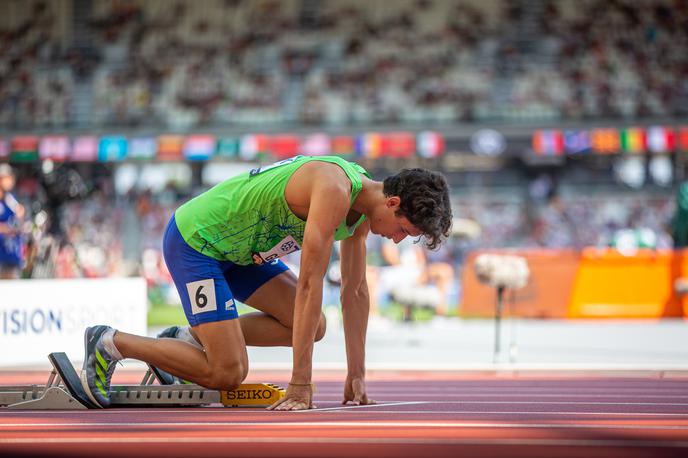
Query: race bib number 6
point(202, 296)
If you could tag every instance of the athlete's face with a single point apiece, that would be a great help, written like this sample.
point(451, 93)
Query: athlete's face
point(385, 223)
point(6, 182)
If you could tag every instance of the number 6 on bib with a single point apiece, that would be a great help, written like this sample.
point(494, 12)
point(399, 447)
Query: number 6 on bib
point(202, 296)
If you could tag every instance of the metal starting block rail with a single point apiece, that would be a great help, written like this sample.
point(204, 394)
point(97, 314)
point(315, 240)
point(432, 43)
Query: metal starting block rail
point(63, 391)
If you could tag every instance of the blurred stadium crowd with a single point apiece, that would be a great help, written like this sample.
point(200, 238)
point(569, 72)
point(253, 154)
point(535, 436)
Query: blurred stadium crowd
point(220, 62)
point(180, 65)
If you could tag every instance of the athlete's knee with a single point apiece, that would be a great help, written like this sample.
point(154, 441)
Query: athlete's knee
point(322, 327)
point(227, 376)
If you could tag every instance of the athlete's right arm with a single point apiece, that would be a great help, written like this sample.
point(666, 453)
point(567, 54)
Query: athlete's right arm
point(329, 204)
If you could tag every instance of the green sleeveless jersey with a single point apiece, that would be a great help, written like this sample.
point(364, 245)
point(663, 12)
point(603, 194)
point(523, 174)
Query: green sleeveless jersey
point(246, 219)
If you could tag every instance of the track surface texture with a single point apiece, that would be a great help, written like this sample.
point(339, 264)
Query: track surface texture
point(424, 414)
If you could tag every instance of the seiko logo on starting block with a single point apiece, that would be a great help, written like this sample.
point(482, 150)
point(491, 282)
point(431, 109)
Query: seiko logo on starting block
point(249, 394)
point(253, 394)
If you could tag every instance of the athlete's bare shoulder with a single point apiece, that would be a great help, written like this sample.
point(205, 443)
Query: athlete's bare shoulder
point(316, 177)
point(322, 172)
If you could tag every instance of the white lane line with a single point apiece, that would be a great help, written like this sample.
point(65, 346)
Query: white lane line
point(457, 394)
point(442, 387)
point(211, 409)
point(510, 394)
point(218, 409)
point(505, 394)
point(353, 407)
point(349, 424)
point(507, 412)
point(577, 403)
point(420, 385)
point(370, 409)
point(357, 440)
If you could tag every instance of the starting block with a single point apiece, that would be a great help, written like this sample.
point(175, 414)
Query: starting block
point(63, 391)
point(252, 394)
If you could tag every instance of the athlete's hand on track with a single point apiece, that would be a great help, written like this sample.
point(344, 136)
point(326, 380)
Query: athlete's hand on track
point(297, 397)
point(355, 391)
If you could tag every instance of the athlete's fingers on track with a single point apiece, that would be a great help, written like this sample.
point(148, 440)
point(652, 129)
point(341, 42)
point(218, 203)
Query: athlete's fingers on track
point(287, 404)
point(363, 400)
point(276, 404)
point(355, 392)
point(360, 401)
point(292, 405)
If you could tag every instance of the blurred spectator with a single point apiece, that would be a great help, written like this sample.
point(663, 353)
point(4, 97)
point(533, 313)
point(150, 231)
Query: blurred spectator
point(679, 222)
point(11, 222)
point(554, 227)
point(404, 278)
point(439, 272)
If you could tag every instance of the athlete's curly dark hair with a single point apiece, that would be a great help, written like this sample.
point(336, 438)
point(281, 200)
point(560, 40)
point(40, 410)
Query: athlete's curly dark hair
point(424, 196)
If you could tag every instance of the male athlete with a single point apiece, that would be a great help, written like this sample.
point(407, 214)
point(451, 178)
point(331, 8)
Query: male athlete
point(225, 244)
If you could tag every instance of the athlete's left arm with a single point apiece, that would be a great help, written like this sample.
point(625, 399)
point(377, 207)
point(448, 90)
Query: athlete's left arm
point(355, 309)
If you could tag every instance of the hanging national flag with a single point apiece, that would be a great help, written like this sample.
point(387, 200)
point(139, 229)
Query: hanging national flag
point(24, 148)
point(284, 146)
point(54, 147)
point(605, 141)
point(548, 142)
point(142, 148)
point(369, 145)
point(684, 139)
point(112, 149)
point(170, 147)
point(430, 144)
point(227, 147)
point(316, 145)
point(634, 140)
point(343, 145)
point(399, 144)
point(253, 145)
point(199, 147)
point(577, 141)
point(660, 139)
point(84, 149)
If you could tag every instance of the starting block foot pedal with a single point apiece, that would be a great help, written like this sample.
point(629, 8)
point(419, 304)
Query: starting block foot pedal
point(71, 380)
point(163, 377)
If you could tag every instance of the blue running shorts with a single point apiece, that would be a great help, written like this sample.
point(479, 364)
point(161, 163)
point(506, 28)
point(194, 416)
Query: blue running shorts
point(207, 286)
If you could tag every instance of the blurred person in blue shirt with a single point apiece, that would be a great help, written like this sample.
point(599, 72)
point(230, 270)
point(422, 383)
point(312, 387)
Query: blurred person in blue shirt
point(11, 218)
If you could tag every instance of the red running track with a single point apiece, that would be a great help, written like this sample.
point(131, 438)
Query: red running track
point(420, 414)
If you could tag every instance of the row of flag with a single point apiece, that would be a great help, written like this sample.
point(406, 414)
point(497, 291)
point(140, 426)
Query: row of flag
point(202, 147)
point(633, 140)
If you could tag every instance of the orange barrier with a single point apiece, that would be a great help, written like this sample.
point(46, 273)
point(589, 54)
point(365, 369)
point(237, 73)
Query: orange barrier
point(592, 283)
point(609, 284)
point(547, 294)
